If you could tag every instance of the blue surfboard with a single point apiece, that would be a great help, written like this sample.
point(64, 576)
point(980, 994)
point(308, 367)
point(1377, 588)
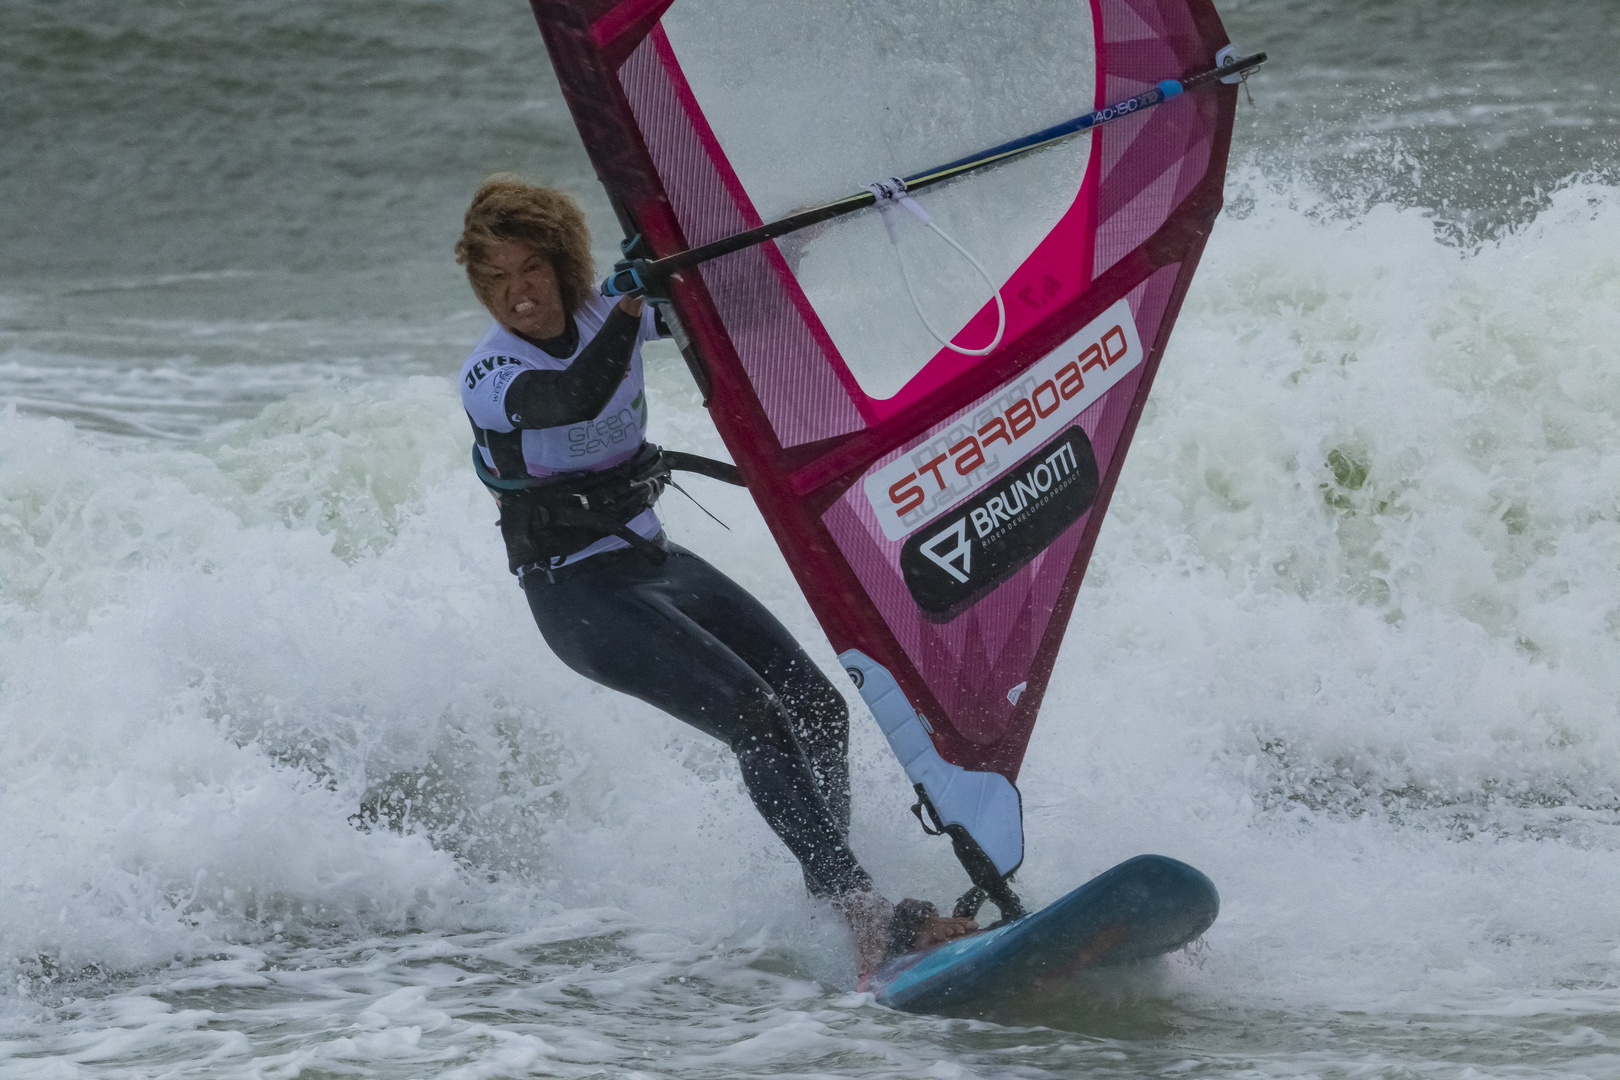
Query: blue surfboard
point(1143, 907)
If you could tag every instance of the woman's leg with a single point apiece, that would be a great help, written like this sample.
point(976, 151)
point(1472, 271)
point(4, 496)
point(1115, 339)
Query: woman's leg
point(622, 622)
point(817, 712)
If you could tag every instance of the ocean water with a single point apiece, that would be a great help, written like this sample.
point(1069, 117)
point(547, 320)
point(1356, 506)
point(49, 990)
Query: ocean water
point(289, 785)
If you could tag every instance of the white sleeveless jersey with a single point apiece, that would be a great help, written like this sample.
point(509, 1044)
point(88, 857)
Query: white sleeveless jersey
point(612, 436)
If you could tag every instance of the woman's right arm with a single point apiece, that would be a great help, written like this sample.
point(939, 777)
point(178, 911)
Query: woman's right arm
point(541, 399)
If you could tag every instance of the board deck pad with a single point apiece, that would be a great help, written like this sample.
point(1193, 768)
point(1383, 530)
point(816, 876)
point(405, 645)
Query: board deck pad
point(1144, 907)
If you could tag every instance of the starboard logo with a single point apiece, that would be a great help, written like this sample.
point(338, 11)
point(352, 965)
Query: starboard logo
point(986, 540)
point(976, 446)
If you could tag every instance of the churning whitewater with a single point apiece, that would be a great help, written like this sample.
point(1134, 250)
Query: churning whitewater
point(289, 785)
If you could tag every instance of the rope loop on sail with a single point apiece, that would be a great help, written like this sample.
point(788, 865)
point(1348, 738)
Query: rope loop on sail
point(891, 193)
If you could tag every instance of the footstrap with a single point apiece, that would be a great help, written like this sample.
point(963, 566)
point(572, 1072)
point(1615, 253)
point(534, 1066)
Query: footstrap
point(988, 882)
point(909, 917)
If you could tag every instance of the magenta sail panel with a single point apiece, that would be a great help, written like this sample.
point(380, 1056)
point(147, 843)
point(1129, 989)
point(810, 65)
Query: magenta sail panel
point(939, 509)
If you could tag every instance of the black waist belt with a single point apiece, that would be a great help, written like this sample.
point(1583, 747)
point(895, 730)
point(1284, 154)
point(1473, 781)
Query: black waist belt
point(544, 519)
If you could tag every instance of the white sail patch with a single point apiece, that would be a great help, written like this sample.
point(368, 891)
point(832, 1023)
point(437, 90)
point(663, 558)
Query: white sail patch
point(991, 435)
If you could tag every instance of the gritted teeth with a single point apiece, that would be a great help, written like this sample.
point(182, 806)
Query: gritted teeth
point(523, 305)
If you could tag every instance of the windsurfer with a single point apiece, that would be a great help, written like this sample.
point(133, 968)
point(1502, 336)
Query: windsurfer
point(556, 397)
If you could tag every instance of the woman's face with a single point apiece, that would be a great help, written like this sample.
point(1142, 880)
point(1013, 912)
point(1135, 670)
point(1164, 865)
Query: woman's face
point(522, 293)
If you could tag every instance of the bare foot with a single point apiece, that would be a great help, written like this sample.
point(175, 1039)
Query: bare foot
point(869, 916)
point(941, 929)
point(882, 931)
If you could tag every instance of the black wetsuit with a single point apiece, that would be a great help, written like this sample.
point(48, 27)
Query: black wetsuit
point(687, 639)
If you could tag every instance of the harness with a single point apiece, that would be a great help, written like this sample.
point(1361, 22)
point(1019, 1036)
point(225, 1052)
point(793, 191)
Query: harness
point(543, 519)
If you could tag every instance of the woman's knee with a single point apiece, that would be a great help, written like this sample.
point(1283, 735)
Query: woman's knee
point(819, 711)
point(760, 719)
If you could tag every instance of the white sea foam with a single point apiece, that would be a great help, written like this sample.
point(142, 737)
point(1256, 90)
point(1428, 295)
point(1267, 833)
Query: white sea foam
point(271, 702)
point(1355, 613)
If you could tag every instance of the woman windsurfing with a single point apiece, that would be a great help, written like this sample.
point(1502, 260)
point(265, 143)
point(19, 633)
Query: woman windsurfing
point(557, 401)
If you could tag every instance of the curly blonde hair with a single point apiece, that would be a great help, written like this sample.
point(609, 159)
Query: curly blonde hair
point(546, 220)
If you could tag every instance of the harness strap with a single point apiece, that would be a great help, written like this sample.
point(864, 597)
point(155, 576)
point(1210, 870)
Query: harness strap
point(678, 460)
point(579, 508)
point(490, 480)
point(608, 525)
point(723, 471)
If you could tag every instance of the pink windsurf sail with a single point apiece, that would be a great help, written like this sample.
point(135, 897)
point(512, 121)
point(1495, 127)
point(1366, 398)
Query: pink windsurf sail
point(938, 502)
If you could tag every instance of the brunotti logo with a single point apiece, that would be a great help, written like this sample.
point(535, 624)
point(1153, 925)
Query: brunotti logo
point(986, 540)
point(969, 452)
